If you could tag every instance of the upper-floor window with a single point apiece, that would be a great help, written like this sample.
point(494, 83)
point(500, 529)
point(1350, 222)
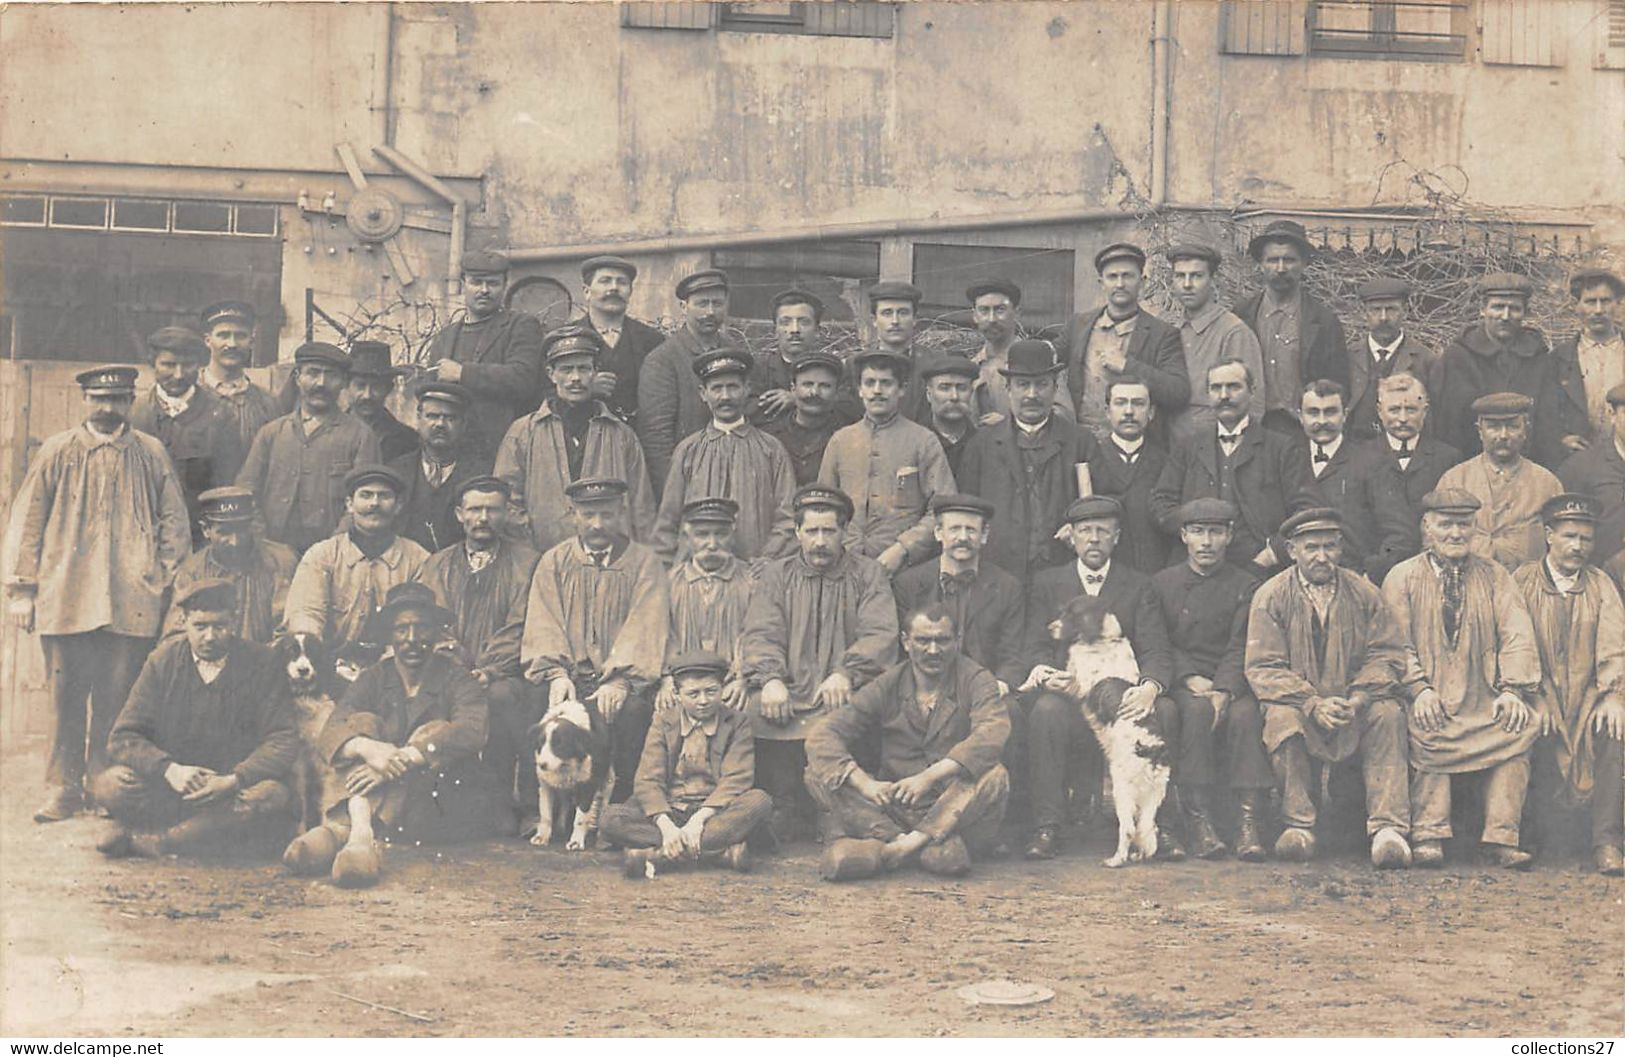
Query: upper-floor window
point(1389, 29)
point(829, 18)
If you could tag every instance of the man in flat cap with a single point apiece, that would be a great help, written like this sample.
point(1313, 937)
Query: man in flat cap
point(572, 436)
point(1126, 466)
point(405, 741)
point(938, 793)
point(1263, 472)
point(821, 624)
point(228, 332)
point(201, 751)
point(1584, 369)
point(1325, 658)
point(950, 387)
point(258, 570)
point(996, 312)
point(1579, 626)
point(443, 457)
point(817, 385)
point(1208, 335)
point(669, 404)
point(483, 580)
point(1027, 467)
point(1387, 349)
point(889, 465)
point(796, 317)
point(297, 464)
point(1497, 354)
point(1204, 607)
point(606, 290)
point(1055, 729)
point(196, 427)
point(1599, 471)
point(1390, 475)
point(1300, 339)
point(342, 580)
point(710, 591)
point(99, 526)
point(494, 351)
point(597, 614)
point(1509, 488)
point(1472, 671)
point(1118, 336)
point(372, 379)
point(732, 459)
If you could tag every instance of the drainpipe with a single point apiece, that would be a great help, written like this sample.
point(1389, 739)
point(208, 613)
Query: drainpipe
point(459, 210)
point(383, 63)
point(1161, 85)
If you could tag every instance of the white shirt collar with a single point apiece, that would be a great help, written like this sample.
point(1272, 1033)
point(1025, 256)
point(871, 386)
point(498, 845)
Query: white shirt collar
point(1241, 427)
point(1330, 449)
point(174, 406)
point(732, 427)
point(208, 671)
point(1129, 447)
point(1395, 442)
point(1379, 351)
point(1030, 430)
point(1084, 572)
point(1567, 584)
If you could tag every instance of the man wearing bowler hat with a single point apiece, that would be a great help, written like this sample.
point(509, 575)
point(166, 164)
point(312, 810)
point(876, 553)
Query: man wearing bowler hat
point(494, 351)
point(1300, 339)
point(1386, 350)
point(228, 331)
point(606, 290)
point(298, 462)
point(1585, 367)
point(1120, 336)
point(434, 469)
point(372, 379)
point(1208, 335)
point(100, 526)
point(669, 404)
point(1599, 472)
point(258, 570)
point(1497, 354)
point(1509, 488)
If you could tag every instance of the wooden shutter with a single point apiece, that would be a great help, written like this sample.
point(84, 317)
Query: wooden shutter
point(1524, 32)
point(1262, 27)
point(669, 15)
point(1610, 25)
point(848, 18)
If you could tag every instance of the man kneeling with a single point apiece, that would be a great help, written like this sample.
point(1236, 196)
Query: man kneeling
point(942, 724)
point(201, 750)
point(692, 796)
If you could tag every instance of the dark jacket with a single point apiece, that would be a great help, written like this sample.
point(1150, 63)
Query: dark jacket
point(1131, 598)
point(446, 721)
point(1600, 472)
point(731, 757)
point(503, 371)
point(1320, 336)
point(969, 724)
point(771, 372)
point(625, 360)
point(1143, 544)
point(669, 404)
point(1206, 617)
point(1273, 481)
point(395, 438)
point(992, 614)
point(1474, 366)
point(1412, 357)
point(203, 442)
point(806, 446)
point(285, 464)
point(1384, 503)
point(1565, 412)
point(1156, 352)
point(1336, 485)
point(426, 515)
point(1031, 504)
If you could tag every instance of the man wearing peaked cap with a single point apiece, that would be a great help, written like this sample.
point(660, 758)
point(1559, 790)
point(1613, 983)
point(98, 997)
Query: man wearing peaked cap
point(435, 468)
point(825, 400)
point(950, 382)
point(228, 333)
point(258, 569)
point(99, 525)
point(493, 350)
point(606, 293)
point(372, 379)
point(1509, 488)
point(1387, 350)
point(1599, 471)
point(1585, 367)
point(669, 404)
point(572, 339)
point(1579, 624)
point(710, 594)
point(797, 315)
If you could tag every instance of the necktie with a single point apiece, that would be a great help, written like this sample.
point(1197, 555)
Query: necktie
point(1404, 451)
point(955, 584)
point(1385, 362)
point(1320, 454)
point(1450, 576)
point(1128, 456)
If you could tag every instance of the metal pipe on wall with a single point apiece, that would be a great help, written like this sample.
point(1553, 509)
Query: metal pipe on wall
point(383, 72)
point(1161, 83)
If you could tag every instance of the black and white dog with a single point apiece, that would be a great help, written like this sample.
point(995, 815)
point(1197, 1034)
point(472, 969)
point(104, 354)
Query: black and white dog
point(315, 683)
point(573, 770)
point(1100, 667)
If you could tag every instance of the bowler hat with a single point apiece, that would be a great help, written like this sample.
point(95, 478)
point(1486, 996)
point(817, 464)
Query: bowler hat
point(1280, 231)
point(1031, 357)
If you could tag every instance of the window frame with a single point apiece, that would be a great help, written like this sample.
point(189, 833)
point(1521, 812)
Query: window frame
point(1381, 41)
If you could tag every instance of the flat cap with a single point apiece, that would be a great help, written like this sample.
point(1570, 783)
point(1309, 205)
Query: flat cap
point(706, 279)
point(590, 266)
point(1616, 396)
point(822, 497)
point(711, 508)
point(902, 365)
point(212, 594)
point(595, 489)
point(181, 340)
point(1119, 251)
point(797, 296)
point(485, 262)
point(1088, 507)
point(370, 359)
point(1384, 288)
point(221, 311)
point(1031, 356)
point(451, 392)
point(1571, 506)
point(811, 360)
point(113, 378)
point(894, 290)
point(1193, 251)
point(1592, 276)
point(373, 473)
point(1451, 501)
point(323, 353)
point(1506, 284)
point(964, 504)
point(1208, 511)
point(697, 662)
point(1315, 519)
point(572, 339)
point(949, 363)
point(994, 286)
point(1501, 405)
point(484, 482)
point(1280, 231)
point(719, 362)
point(412, 595)
point(228, 504)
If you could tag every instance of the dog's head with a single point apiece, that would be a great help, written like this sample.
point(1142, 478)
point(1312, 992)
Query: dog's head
point(306, 662)
point(1085, 621)
point(567, 743)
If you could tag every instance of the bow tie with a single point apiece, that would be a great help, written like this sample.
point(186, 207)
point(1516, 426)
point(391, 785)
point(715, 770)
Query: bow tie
point(1093, 578)
point(599, 558)
point(1230, 440)
point(1320, 454)
point(957, 583)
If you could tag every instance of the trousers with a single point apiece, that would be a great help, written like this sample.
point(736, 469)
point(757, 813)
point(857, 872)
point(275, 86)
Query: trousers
point(1383, 744)
point(1193, 739)
point(1055, 733)
point(971, 808)
point(627, 825)
point(90, 676)
point(1549, 786)
point(154, 806)
point(1505, 786)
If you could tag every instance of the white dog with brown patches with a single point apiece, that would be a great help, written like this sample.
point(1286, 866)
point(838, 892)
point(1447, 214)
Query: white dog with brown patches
point(571, 745)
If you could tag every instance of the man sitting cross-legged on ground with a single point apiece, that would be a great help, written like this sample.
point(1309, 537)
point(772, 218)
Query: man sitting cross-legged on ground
point(201, 750)
point(692, 796)
point(942, 722)
point(405, 741)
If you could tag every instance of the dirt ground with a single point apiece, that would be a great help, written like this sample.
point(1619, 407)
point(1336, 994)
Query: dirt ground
point(503, 939)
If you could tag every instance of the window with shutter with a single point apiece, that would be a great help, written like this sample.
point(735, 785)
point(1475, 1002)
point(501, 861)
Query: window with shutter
point(1262, 27)
point(827, 18)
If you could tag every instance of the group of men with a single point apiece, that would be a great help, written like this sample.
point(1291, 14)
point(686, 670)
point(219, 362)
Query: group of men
point(804, 593)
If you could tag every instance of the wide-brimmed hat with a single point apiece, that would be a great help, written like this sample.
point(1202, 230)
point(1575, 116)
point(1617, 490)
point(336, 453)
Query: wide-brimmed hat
point(402, 597)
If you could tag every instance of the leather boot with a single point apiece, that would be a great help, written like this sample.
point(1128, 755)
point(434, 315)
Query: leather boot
point(1170, 828)
point(1249, 832)
point(1205, 843)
